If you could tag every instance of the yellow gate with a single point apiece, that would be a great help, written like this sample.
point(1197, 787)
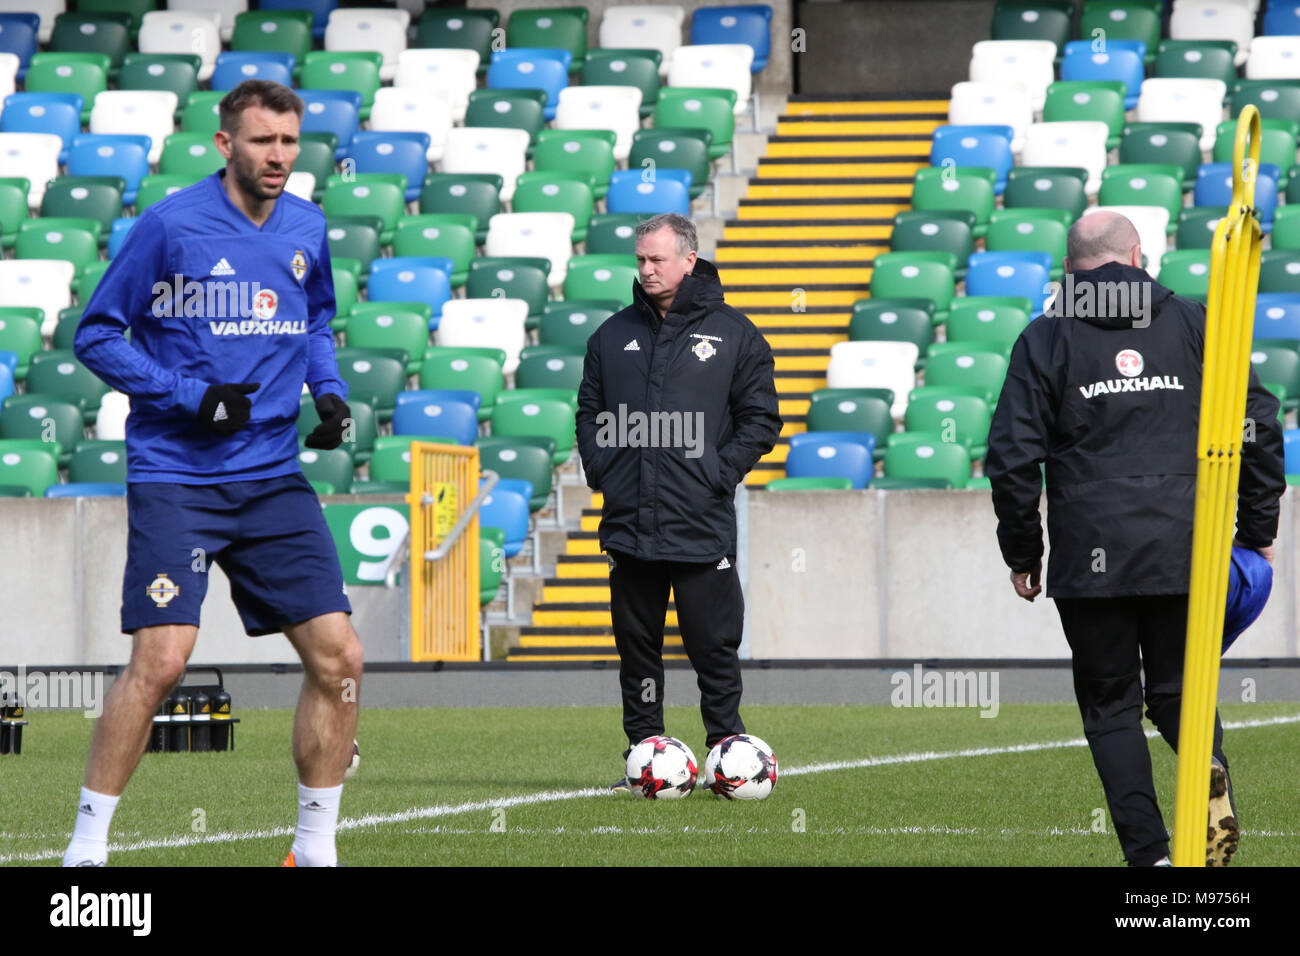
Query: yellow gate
point(444, 553)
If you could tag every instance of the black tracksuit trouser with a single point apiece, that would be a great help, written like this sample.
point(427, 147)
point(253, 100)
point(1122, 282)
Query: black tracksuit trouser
point(711, 615)
point(1106, 636)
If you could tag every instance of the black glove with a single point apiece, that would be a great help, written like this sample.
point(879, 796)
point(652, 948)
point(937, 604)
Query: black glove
point(225, 408)
point(334, 414)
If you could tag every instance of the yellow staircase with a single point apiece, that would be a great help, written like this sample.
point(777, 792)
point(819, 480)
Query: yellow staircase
point(795, 259)
point(799, 252)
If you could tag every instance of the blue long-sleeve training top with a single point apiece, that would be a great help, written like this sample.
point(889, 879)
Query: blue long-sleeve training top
point(211, 298)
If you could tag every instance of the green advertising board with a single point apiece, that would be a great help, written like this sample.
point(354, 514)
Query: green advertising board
point(366, 537)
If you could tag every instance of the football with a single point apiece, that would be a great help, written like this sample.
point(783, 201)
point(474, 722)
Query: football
point(354, 761)
point(661, 768)
point(740, 767)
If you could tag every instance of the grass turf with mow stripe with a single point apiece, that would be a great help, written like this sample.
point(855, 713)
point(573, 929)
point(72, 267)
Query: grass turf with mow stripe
point(509, 786)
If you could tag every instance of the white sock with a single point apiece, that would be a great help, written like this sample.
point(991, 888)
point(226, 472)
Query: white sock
point(318, 816)
point(90, 838)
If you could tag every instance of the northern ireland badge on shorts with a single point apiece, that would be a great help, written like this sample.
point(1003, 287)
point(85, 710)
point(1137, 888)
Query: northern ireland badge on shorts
point(265, 304)
point(163, 590)
point(298, 264)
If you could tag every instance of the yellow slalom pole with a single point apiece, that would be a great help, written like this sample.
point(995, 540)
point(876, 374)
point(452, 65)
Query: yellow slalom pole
point(1234, 276)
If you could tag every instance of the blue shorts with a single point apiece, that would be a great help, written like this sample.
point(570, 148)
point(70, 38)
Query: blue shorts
point(268, 536)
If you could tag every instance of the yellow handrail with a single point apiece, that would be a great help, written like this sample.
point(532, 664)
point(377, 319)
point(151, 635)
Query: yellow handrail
point(1234, 277)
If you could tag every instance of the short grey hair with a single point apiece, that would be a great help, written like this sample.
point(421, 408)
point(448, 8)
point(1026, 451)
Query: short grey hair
point(1100, 238)
point(687, 241)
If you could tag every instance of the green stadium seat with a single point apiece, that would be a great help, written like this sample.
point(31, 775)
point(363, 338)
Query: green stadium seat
point(951, 230)
point(613, 233)
point(894, 483)
point(65, 332)
point(491, 564)
point(20, 333)
point(928, 459)
point(330, 466)
point(190, 154)
point(391, 461)
point(512, 278)
point(177, 72)
point(1186, 272)
point(200, 114)
point(450, 235)
point(98, 461)
point(354, 70)
point(1196, 225)
point(509, 109)
point(577, 150)
point(558, 369)
point(972, 319)
point(360, 442)
point(87, 278)
point(106, 33)
point(557, 191)
point(607, 277)
point(1051, 187)
point(374, 379)
point(58, 373)
point(82, 73)
point(915, 275)
point(956, 416)
point(1016, 20)
point(13, 208)
point(810, 484)
point(674, 149)
point(1177, 144)
point(473, 194)
point(1123, 21)
point(1276, 364)
point(355, 237)
point(1275, 99)
point(459, 28)
point(24, 464)
point(316, 156)
point(569, 396)
point(135, 9)
point(85, 197)
point(367, 194)
point(1197, 60)
point(274, 31)
point(885, 321)
point(1277, 143)
point(1286, 229)
point(404, 335)
point(626, 67)
point(1144, 184)
point(46, 419)
point(1087, 100)
point(558, 28)
point(159, 186)
point(345, 296)
point(552, 419)
point(852, 410)
point(570, 323)
point(514, 458)
point(453, 369)
point(1279, 271)
point(684, 107)
point(964, 188)
point(54, 237)
point(969, 368)
point(1037, 230)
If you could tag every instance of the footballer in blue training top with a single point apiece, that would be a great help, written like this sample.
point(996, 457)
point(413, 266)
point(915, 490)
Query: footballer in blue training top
point(227, 291)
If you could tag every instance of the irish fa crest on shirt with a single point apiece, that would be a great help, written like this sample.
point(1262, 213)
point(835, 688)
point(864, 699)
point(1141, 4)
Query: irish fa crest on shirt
point(704, 349)
point(298, 264)
point(163, 590)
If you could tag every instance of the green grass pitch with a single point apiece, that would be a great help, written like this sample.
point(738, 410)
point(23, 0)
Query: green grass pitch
point(505, 787)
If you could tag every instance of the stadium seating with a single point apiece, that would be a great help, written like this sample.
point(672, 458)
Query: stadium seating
point(636, 26)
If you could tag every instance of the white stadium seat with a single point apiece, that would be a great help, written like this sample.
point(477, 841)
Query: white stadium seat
point(992, 104)
point(1214, 21)
point(449, 74)
point(1073, 143)
point(40, 284)
point(724, 65)
point(643, 27)
point(183, 31)
point(369, 29)
point(9, 64)
point(616, 108)
point(1152, 225)
point(409, 109)
point(1170, 100)
point(110, 425)
point(487, 149)
point(545, 234)
point(1274, 58)
point(875, 365)
point(485, 323)
point(1027, 64)
point(31, 156)
point(226, 9)
point(301, 184)
point(147, 112)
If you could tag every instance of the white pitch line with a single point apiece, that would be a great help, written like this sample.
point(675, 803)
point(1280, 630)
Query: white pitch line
point(555, 796)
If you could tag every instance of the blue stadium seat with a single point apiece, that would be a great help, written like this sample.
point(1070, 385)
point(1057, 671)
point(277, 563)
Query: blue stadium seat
point(404, 153)
point(9, 360)
point(986, 146)
point(320, 12)
point(6, 382)
point(1277, 315)
point(118, 234)
point(628, 192)
point(233, 68)
point(448, 419)
point(467, 397)
point(1020, 273)
point(57, 113)
point(1282, 18)
point(865, 439)
point(531, 68)
point(1214, 188)
point(749, 23)
point(105, 154)
point(1081, 62)
point(18, 35)
point(517, 485)
point(831, 460)
point(1291, 450)
point(506, 509)
point(87, 489)
point(412, 279)
point(332, 111)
